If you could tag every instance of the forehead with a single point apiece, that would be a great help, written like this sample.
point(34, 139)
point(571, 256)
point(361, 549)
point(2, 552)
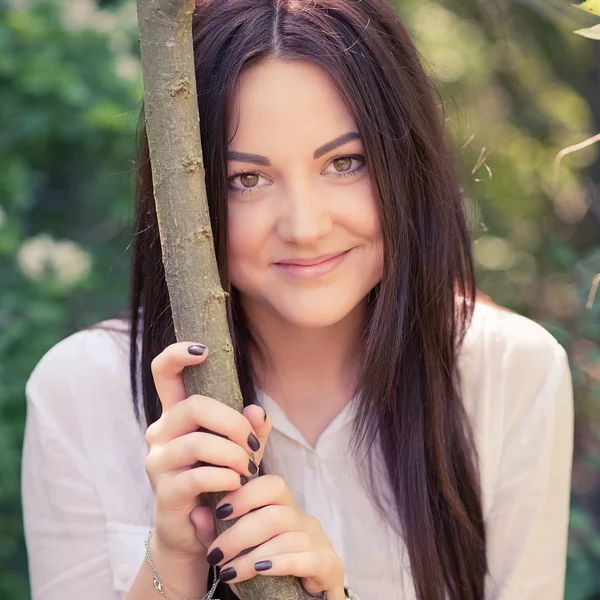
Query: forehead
point(277, 102)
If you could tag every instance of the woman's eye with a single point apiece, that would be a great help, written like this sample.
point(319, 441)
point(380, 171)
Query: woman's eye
point(245, 182)
point(346, 165)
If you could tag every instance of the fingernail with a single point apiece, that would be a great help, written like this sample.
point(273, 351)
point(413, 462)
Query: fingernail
point(263, 565)
point(227, 574)
point(215, 556)
point(265, 419)
point(253, 442)
point(197, 350)
point(244, 479)
point(252, 467)
point(223, 511)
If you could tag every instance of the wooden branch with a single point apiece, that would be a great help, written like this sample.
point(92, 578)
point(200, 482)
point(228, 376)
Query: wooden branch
point(197, 299)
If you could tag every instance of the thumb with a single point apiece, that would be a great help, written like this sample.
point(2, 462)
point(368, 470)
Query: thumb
point(202, 518)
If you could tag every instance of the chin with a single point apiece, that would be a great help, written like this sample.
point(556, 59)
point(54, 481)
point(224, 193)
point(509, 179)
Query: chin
point(314, 315)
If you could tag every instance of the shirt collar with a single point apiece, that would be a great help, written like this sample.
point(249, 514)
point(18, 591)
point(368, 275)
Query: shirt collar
point(281, 422)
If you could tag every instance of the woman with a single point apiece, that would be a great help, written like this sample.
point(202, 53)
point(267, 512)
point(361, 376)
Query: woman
point(417, 443)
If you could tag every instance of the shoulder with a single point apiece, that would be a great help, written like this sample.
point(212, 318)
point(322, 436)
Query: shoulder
point(517, 390)
point(80, 411)
point(87, 367)
point(500, 338)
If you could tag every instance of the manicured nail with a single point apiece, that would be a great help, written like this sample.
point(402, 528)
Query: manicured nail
point(197, 350)
point(224, 511)
point(265, 419)
point(263, 565)
point(244, 479)
point(253, 442)
point(215, 556)
point(227, 574)
point(252, 467)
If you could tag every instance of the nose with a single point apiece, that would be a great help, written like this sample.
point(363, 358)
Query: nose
point(305, 216)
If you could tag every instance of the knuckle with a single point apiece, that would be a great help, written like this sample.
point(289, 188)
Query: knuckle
point(195, 482)
point(315, 524)
point(273, 515)
point(155, 364)
point(149, 463)
point(279, 486)
point(276, 482)
point(151, 433)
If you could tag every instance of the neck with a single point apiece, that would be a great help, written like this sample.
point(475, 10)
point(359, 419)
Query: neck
point(298, 362)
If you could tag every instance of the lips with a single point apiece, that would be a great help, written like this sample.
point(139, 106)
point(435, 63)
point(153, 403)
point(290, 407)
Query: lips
point(316, 268)
point(308, 262)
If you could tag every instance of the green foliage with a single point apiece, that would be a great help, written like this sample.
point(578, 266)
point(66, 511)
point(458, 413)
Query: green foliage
point(514, 83)
point(70, 100)
point(510, 86)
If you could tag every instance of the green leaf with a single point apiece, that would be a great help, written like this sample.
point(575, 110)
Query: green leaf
point(591, 6)
point(593, 33)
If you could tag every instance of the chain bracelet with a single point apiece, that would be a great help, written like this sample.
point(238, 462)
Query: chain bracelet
point(159, 581)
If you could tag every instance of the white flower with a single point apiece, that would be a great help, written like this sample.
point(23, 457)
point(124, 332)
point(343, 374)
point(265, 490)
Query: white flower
point(66, 261)
point(33, 256)
point(70, 261)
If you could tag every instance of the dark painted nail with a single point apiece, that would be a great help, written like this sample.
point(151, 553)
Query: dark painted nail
point(253, 442)
point(224, 511)
point(263, 565)
point(265, 419)
point(227, 574)
point(244, 479)
point(197, 350)
point(215, 556)
point(252, 467)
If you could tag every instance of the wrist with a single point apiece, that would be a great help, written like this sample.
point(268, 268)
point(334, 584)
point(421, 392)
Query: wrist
point(187, 574)
point(173, 556)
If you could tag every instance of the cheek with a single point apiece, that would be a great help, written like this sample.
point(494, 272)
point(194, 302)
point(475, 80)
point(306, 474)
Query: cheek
point(248, 228)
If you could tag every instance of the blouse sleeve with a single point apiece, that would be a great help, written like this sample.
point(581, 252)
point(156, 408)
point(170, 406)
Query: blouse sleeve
point(527, 524)
point(64, 520)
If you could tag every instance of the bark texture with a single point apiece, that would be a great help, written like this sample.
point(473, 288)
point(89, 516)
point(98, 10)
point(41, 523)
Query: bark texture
point(196, 296)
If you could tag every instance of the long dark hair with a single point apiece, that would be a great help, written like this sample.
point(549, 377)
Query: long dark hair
point(409, 385)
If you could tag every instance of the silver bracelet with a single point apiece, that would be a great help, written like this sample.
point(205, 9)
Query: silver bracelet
point(159, 581)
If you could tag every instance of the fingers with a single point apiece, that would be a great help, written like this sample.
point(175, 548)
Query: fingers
point(176, 491)
point(186, 450)
point(256, 528)
point(167, 370)
point(289, 542)
point(261, 424)
point(300, 564)
point(317, 569)
point(259, 492)
point(201, 411)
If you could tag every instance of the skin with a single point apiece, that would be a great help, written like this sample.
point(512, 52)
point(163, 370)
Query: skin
point(300, 206)
point(296, 206)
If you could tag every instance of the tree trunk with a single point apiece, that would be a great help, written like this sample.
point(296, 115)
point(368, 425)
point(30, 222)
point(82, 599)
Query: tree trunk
point(197, 299)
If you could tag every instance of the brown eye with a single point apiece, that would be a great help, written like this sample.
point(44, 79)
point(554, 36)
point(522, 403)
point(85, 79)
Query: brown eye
point(342, 164)
point(249, 179)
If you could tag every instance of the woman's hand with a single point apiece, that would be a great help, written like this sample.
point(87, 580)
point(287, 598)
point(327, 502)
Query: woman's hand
point(284, 540)
point(184, 463)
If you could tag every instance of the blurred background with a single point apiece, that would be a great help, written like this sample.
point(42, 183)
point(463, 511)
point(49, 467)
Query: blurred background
point(518, 87)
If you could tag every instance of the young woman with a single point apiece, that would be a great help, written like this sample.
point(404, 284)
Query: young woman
point(416, 442)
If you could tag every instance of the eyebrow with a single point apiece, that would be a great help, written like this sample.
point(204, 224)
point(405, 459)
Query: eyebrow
point(257, 159)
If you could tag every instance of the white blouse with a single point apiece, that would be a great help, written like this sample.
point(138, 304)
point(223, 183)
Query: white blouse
point(87, 501)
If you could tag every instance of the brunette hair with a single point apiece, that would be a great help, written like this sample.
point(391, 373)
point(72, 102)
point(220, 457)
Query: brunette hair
point(409, 385)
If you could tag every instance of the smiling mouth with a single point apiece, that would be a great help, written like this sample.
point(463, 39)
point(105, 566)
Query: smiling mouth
point(309, 262)
point(314, 270)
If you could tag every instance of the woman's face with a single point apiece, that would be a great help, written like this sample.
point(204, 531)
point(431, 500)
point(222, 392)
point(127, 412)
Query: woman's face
point(299, 192)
